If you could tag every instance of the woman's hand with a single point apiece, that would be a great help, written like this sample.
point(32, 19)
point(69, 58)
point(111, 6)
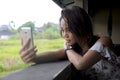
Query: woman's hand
point(28, 54)
point(65, 45)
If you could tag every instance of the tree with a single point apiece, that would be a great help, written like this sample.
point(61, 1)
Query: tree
point(27, 24)
point(51, 31)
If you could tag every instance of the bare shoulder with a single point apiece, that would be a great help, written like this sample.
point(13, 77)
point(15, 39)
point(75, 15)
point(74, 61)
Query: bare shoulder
point(106, 41)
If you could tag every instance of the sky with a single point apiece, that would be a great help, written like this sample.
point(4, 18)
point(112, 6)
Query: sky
point(22, 11)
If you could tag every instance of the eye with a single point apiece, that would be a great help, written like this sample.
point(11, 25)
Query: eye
point(69, 30)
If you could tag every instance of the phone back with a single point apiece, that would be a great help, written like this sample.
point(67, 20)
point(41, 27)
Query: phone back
point(26, 33)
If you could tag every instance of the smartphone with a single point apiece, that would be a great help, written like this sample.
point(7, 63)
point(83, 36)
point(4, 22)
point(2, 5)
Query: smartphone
point(26, 33)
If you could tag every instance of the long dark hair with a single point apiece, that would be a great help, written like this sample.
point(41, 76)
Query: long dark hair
point(79, 23)
point(78, 20)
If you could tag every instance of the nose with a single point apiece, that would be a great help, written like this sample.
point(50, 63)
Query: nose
point(65, 35)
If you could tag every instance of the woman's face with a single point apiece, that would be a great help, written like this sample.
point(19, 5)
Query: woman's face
point(66, 33)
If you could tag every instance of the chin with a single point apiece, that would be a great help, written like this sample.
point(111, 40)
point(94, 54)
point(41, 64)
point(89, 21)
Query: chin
point(69, 44)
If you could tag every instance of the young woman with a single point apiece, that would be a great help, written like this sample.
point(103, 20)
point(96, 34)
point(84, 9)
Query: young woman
point(84, 50)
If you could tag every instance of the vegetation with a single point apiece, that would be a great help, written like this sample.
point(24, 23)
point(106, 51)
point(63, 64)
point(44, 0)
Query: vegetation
point(27, 24)
point(9, 53)
point(46, 39)
point(47, 31)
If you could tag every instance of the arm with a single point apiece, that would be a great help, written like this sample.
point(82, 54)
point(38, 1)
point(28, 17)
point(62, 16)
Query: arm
point(89, 58)
point(29, 55)
point(50, 56)
point(85, 61)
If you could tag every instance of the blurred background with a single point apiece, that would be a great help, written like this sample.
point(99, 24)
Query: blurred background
point(42, 16)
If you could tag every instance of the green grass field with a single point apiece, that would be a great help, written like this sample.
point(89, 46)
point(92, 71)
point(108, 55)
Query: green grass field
point(10, 60)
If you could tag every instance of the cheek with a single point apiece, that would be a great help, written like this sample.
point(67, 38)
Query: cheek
point(73, 39)
point(72, 36)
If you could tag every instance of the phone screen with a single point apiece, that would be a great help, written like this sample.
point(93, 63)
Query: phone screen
point(26, 33)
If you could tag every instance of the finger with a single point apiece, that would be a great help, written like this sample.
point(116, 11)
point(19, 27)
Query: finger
point(30, 58)
point(26, 52)
point(32, 49)
point(33, 53)
point(25, 45)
